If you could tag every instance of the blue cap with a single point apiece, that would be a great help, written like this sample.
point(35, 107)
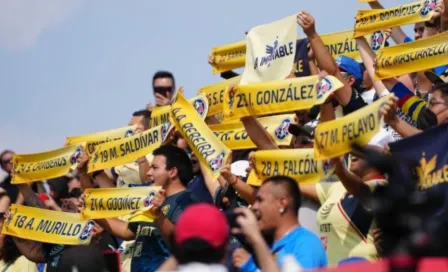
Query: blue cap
point(350, 66)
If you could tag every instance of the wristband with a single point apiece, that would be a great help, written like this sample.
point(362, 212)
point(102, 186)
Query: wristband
point(235, 180)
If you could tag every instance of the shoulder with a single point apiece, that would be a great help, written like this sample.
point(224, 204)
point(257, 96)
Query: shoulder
point(185, 198)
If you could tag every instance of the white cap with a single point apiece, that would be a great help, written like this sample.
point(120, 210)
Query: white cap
point(381, 139)
point(238, 168)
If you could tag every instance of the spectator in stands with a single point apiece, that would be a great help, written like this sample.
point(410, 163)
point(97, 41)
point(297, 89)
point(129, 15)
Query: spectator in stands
point(6, 165)
point(164, 87)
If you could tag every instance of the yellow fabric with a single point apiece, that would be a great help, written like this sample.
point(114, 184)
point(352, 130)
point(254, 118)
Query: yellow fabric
point(129, 149)
point(46, 165)
point(253, 180)
point(215, 94)
point(270, 51)
point(205, 145)
point(371, 20)
point(94, 139)
point(420, 55)
point(341, 239)
point(335, 138)
point(160, 115)
point(343, 43)
point(48, 226)
point(20, 265)
point(228, 57)
point(278, 96)
point(114, 202)
point(235, 137)
point(298, 164)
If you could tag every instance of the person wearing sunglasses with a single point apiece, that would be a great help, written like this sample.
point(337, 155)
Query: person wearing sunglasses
point(6, 165)
point(163, 85)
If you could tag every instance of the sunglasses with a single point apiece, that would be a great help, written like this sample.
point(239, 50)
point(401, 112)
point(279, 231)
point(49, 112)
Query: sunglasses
point(6, 161)
point(163, 90)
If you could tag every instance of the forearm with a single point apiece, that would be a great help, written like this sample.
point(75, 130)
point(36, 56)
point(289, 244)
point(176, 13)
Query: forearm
point(313, 67)
point(353, 184)
point(143, 168)
point(327, 112)
point(20, 199)
point(30, 197)
point(258, 134)
point(30, 249)
point(104, 181)
point(263, 255)
point(368, 56)
point(323, 57)
point(404, 129)
point(166, 227)
point(117, 228)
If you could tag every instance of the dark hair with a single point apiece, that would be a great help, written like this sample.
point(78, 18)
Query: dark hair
point(10, 252)
point(163, 74)
point(176, 158)
point(291, 187)
point(198, 251)
point(91, 256)
point(4, 152)
point(144, 113)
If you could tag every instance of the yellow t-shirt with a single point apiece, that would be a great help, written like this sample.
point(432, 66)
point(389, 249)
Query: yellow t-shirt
point(344, 224)
point(22, 264)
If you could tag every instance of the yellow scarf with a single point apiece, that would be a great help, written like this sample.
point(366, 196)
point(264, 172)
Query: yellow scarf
point(343, 43)
point(95, 139)
point(47, 165)
point(412, 57)
point(371, 20)
point(116, 202)
point(335, 138)
point(228, 57)
point(129, 149)
point(215, 94)
point(298, 164)
point(198, 135)
point(160, 115)
point(278, 96)
point(235, 137)
point(48, 226)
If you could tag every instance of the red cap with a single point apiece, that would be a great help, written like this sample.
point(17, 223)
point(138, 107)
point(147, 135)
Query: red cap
point(202, 221)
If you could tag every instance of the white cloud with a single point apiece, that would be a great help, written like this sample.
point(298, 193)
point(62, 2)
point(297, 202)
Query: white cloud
point(22, 21)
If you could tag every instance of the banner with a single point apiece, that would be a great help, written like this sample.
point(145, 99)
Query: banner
point(271, 49)
point(48, 226)
point(343, 43)
point(215, 94)
point(129, 149)
point(420, 55)
point(298, 164)
point(95, 139)
point(46, 165)
point(234, 135)
point(335, 138)
point(279, 96)
point(228, 57)
point(116, 202)
point(371, 20)
point(301, 67)
point(427, 151)
point(253, 180)
point(160, 115)
point(198, 135)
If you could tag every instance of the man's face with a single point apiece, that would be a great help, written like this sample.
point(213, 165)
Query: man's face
point(266, 208)
point(165, 87)
point(158, 173)
point(195, 163)
point(348, 79)
point(139, 121)
point(418, 31)
point(6, 162)
point(439, 105)
point(356, 164)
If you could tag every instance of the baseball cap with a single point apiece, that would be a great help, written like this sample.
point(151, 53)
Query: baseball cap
point(202, 221)
point(434, 78)
point(351, 66)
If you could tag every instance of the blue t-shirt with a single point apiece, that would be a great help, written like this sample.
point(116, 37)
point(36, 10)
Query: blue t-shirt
point(199, 189)
point(301, 243)
point(150, 249)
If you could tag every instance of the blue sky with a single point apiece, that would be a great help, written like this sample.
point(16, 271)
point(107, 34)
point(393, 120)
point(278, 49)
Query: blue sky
point(70, 67)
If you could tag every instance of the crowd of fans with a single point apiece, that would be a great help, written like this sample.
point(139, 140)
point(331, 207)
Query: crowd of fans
point(226, 224)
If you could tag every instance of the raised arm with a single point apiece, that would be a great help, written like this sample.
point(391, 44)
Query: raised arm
point(324, 59)
point(433, 26)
